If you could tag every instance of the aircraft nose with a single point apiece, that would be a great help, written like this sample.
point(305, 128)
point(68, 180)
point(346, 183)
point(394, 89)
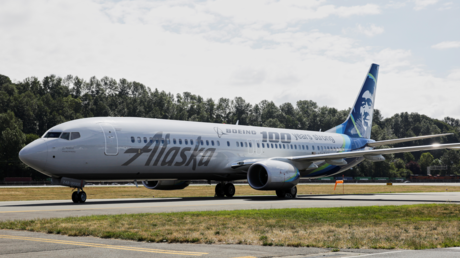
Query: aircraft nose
point(35, 154)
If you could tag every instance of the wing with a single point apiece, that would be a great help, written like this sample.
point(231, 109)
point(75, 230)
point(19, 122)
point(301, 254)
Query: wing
point(361, 153)
point(394, 141)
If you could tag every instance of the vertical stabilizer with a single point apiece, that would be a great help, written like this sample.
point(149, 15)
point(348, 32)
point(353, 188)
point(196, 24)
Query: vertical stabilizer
point(359, 121)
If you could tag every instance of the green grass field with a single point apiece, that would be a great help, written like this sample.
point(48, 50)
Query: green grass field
point(389, 227)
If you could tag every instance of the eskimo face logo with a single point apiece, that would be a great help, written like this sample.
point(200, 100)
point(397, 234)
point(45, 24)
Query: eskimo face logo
point(219, 132)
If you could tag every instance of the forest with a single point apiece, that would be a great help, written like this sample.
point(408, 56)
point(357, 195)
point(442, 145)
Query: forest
point(30, 107)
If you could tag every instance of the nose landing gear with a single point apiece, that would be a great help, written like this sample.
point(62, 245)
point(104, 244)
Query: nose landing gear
point(79, 196)
point(225, 190)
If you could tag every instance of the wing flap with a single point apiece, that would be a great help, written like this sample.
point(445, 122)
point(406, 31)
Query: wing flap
point(416, 138)
point(354, 154)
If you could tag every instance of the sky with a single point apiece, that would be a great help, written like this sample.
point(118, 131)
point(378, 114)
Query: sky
point(282, 51)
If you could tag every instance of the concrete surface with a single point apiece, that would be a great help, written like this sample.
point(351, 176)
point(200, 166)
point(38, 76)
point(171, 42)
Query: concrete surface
point(65, 208)
point(31, 244)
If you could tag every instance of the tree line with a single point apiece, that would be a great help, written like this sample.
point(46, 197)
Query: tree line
point(30, 107)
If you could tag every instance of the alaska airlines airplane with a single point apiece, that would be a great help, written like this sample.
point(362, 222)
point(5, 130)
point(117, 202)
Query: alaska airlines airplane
point(167, 154)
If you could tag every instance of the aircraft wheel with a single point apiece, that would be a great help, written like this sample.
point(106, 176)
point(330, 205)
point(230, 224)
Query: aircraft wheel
point(291, 193)
point(82, 196)
point(75, 197)
point(280, 193)
point(229, 190)
point(220, 190)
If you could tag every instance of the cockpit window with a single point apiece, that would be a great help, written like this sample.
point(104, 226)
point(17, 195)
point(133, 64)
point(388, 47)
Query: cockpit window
point(65, 136)
point(52, 135)
point(74, 135)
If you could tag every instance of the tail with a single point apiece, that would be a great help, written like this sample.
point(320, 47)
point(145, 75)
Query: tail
point(359, 121)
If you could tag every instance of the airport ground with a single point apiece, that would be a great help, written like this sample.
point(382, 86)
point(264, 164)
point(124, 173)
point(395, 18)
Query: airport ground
point(17, 193)
point(442, 227)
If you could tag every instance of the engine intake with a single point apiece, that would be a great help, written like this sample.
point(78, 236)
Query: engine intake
point(272, 175)
point(165, 184)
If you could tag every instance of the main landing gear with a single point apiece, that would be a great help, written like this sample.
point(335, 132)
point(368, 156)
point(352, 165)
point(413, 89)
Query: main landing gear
point(225, 190)
point(79, 196)
point(290, 193)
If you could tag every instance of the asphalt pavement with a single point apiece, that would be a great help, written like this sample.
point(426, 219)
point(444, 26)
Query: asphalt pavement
point(31, 244)
point(65, 208)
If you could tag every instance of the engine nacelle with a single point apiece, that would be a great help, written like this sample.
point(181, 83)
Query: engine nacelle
point(165, 184)
point(272, 175)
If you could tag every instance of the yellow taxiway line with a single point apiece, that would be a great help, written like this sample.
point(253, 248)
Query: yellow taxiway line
point(117, 247)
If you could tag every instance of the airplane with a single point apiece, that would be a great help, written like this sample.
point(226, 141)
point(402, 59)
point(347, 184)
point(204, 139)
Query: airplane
point(168, 154)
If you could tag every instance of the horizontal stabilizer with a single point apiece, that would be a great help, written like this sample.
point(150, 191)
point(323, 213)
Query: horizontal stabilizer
point(416, 138)
point(361, 153)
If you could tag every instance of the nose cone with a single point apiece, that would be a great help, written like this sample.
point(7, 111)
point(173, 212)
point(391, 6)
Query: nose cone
point(35, 154)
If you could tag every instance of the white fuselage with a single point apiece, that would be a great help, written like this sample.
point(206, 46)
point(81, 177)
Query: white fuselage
point(118, 148)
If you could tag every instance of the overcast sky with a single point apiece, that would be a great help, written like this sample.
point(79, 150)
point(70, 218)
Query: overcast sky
point(283, 51)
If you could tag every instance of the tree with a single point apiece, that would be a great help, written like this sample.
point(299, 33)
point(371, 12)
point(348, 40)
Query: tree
point(414, 167)
point(425, 160)
point(408, 157)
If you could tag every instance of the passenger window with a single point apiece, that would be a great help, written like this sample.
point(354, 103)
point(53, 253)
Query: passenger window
point(174, 140)
point(191, 142)
point(139, 139)
point(132, 139)
point(65, 136)
point(145, 139)
point(228, 143)
point(186, 142)
point(180, 141)
point(207, 143)
point(74, 135)
point(237, 144)
point(212, 143)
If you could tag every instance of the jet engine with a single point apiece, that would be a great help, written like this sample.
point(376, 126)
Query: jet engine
point(165, 184)
point(272, 175)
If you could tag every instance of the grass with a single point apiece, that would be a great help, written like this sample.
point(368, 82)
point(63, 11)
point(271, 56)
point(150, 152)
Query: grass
point(60, 193)
point(386, 227)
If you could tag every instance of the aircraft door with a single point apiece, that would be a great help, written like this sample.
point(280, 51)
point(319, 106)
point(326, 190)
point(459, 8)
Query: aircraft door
point(111, 140)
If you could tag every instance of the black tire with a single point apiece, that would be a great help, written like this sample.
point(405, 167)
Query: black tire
point(280, 193)
point(82, 197)
point(220, 190)
point(75, 198)
point(291, 193)
point(229, 190)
